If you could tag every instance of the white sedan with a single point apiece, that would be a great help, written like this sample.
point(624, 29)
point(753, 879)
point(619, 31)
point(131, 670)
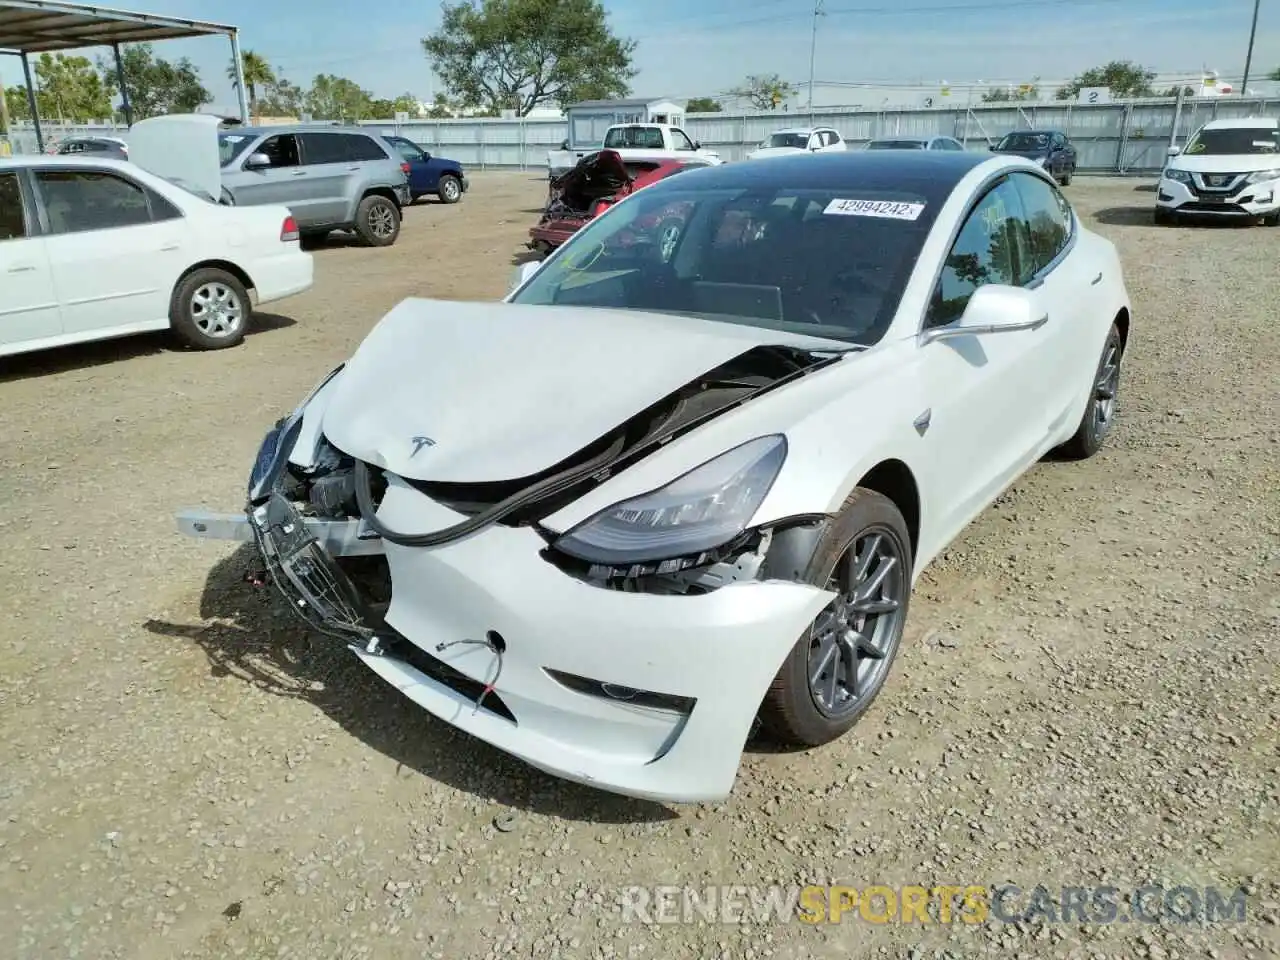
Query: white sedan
point(799, 140)
point(94, 248)
point(686, 475)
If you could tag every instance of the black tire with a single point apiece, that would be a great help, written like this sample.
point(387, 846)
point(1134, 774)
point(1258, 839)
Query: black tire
point(450, 189)
point(1272, 219)
point(223, 319)
point(1094, 426)
point(1065, 179)
point(377, 221)
point(791, 712)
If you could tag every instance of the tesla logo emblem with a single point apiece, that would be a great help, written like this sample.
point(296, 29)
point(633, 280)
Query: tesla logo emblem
point(419, 443)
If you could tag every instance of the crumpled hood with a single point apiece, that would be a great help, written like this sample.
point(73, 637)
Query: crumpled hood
point(765, 152)
point(475, 392)
point(1226, 163)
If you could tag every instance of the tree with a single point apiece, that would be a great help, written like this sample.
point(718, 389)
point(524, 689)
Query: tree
point(156, 86)
point(337, 98)
point(703, 105)
point(15, 98)
point(764, 91)
point(257, 73)
point(1274, 74)
point(517, 54)
point(383, 108)
point(1019, 94)
point(69, 89)
point(1186, 90)
point(1125, 78)
point(281, 98)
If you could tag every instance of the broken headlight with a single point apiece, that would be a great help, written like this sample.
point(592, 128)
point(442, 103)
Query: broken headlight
point(705, 508)
point(278, 443)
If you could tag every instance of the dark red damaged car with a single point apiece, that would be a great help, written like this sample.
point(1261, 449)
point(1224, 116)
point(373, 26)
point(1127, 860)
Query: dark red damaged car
point(598, 181)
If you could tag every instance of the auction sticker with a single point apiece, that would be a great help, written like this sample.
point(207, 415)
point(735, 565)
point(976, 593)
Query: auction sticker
point(889, 209)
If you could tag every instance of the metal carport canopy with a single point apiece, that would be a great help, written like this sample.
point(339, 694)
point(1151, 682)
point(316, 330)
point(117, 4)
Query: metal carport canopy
point(46, 26)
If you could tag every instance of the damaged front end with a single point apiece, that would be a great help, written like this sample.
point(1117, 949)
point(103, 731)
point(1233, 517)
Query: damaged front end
point(598, 181)
point(461, 596)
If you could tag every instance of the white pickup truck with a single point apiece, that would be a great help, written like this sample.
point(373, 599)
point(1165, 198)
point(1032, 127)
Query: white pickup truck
point(635, 141)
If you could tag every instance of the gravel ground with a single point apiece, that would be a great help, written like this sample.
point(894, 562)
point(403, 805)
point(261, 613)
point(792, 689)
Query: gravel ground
point(1087, 694)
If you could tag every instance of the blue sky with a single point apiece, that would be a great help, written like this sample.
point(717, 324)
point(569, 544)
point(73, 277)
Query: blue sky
point(692, 49)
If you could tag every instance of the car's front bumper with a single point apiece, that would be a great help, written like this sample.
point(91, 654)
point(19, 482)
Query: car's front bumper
point(641, 694)
point(1245, 200)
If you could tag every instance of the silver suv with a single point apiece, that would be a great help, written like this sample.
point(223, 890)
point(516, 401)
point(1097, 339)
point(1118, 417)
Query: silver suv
point(332, 178)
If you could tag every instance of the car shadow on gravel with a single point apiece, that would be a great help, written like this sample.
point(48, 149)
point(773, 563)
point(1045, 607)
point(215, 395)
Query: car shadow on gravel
point(1144, 217)
point(82, 356)
point(248, 634)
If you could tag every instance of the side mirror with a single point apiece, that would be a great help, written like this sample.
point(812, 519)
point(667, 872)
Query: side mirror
point(992, 146)
point(1174, 151)
point(564, 144)
point(426, 155)
point(257, 161)
point(697, 144)
point(523, 273)
point(993, 308)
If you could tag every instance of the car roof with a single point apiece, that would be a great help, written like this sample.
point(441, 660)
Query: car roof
point(1245, 123)
point(909, 137)
point(299, 128)
point(800, 129)
point(63, 160)
point(932, 174)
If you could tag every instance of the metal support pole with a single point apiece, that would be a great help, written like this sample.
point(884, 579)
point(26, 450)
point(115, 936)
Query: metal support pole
point(1177, 117)
point(1248, 58)
point(125, 107)
point(241, 93)
point(813, 51)
point(31, 102)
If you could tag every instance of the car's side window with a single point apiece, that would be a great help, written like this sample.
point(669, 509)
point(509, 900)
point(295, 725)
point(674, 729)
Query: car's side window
point(360, 147)
point(13, 220)
point(281, 150)
point(161, 209)
point(679, 140)
point(80, 200)
point(407, 149)
point(832, 138)
point(320, 148)
point(1048, 219)
point(984, 252)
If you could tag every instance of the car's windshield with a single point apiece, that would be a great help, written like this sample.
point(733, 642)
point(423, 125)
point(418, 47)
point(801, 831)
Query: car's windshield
point(406, 148)
point(800, 140)
point(827, 262)
point(194, 191)
point(646, 138)
point(231, 145)
point(896, 145)
point(1234, 140)
point(1024, 142)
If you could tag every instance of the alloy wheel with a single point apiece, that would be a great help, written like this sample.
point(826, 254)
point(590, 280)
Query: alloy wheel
point(1105, 390)
point(451, 190)
point(382, 222)
point(852, 641)
point(216, 310)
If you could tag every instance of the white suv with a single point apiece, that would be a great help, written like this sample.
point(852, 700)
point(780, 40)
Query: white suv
point(1229, 168)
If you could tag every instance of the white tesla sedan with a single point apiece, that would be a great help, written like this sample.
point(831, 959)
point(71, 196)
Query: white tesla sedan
point(687, 473)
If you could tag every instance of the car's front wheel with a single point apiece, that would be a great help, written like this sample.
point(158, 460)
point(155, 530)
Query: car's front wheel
point(450, 189)
point(836, 669)
point(378, 221)
point(1100, 411)
point(210, 309)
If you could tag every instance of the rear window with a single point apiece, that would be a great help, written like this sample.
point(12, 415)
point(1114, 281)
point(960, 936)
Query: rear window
point(12, 220)
point(896, 145)
point(826, 262)
point(360, 147)
point(645, 138)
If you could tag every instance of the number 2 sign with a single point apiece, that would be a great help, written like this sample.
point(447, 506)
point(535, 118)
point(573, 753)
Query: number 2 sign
point(1095, 95)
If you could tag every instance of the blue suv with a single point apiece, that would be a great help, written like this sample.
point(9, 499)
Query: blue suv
point(428, 174)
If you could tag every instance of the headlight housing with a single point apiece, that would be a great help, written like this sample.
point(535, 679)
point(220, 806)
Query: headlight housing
point(701, 510)
point(279, 441)
point(1179, 176)
point(1264, 175)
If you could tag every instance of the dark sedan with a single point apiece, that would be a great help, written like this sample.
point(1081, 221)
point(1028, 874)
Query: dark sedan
point(1050, 148)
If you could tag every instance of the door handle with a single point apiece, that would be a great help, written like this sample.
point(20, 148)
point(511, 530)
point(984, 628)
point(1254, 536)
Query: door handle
point(170, 246)
point(25, 268)
point(353, 169)
point(298, 173)
point(1096, 280)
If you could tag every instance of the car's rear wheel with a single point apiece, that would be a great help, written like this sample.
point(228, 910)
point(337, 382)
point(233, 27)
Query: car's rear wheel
point(836, 669)
point(450, 189)
point(1065, 179)
point(210, 309)
point(1100, 411)
point(378, 221)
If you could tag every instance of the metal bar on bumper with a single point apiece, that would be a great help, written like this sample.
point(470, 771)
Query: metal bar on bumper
point(340, 538)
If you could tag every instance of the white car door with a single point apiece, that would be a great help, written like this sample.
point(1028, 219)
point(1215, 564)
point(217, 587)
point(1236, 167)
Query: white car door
point(28, 305)
point(1072, 285)
point(982, 420)
point(116, 248)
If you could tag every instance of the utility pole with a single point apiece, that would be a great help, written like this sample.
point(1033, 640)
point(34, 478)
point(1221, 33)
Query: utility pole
point(813, 50)
point(1248, 58)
